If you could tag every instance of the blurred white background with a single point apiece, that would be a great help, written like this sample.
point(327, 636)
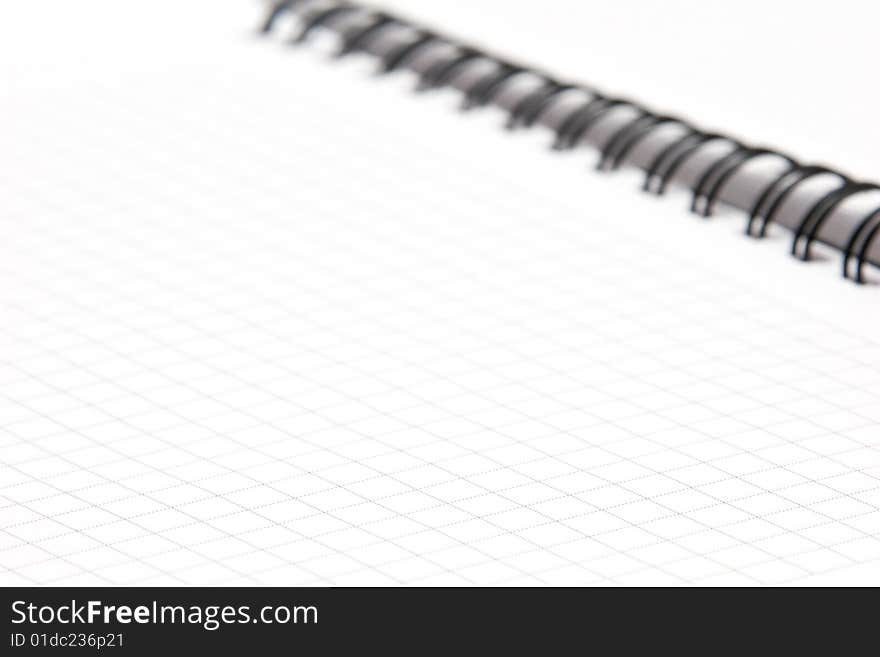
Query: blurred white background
point(793, 74)
point(221, 255)
point(797, 75)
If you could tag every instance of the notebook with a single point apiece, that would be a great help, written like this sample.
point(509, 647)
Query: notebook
point(272, 318)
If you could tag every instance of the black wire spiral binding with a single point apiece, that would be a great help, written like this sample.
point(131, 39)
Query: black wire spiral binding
point(668, 161)
point(588, 112)
point(360, 39)
point(321, 18)
point(620, 145)
point(275, 12)
point(397, 58)
point(765, 208)
point(871, 232)
point(710, 184)
point(443, 71)
point(530, 108)
point(484, 91)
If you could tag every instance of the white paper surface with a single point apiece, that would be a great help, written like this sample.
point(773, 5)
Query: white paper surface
point(269, 319)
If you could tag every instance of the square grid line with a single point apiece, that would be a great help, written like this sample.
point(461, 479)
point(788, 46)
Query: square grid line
point(251, 338)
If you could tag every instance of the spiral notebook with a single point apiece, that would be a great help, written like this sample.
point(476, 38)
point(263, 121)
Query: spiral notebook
point(271, 318)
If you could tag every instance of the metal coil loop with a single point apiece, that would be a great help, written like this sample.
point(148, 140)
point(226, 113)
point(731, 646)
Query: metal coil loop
point(321, 18)
point(357, 39)
point(809, 226)
point(534, 105)
point(712, 182)
point(870, 226)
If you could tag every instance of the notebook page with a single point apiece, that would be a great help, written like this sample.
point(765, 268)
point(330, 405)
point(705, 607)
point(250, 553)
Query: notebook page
point(271, 320)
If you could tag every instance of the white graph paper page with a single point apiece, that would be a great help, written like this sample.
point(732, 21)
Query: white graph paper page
point(269, 319)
